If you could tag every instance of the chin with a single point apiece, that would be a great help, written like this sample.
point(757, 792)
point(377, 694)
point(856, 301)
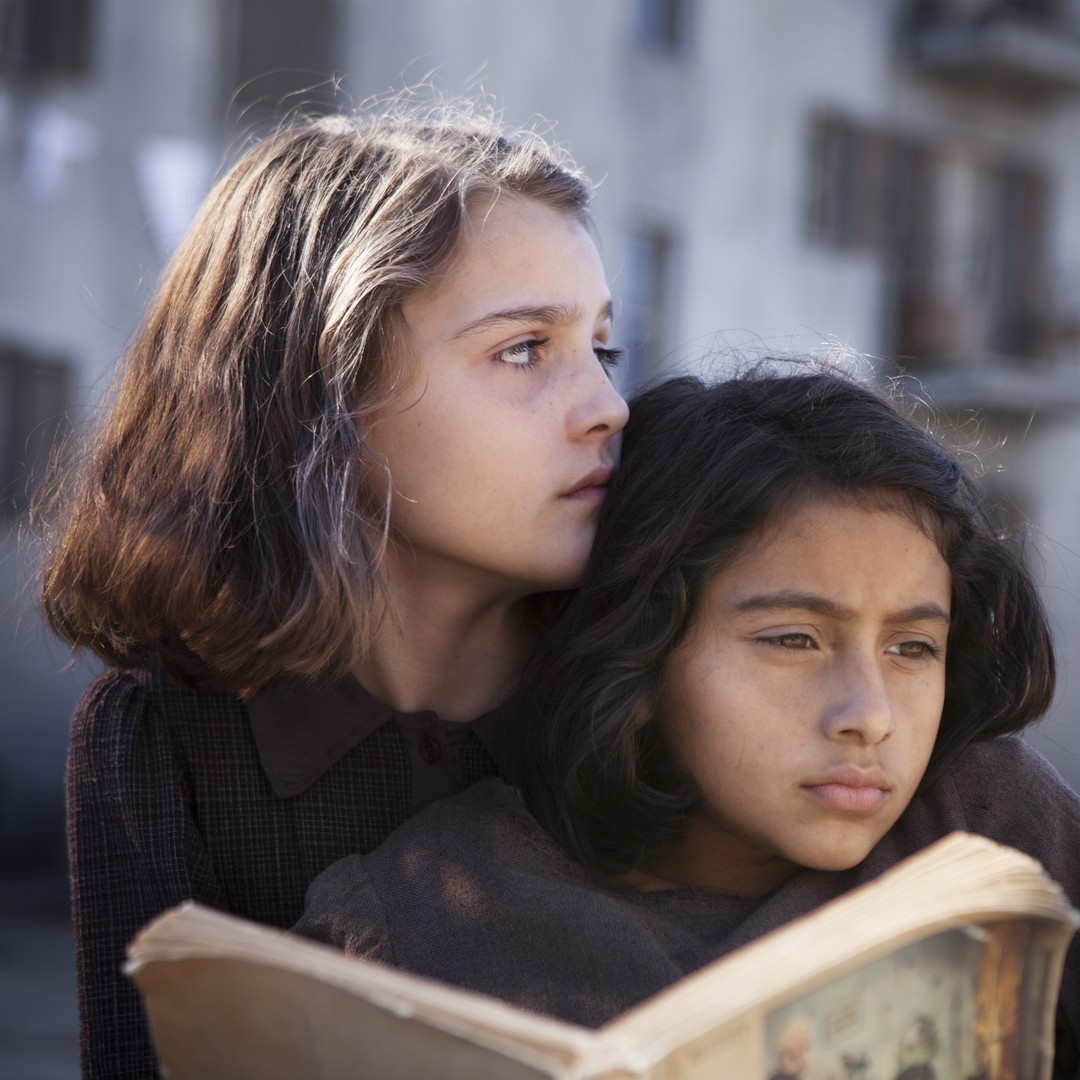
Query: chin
point(840, 857)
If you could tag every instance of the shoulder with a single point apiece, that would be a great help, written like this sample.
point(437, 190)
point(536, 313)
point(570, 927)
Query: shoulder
point(125, 712)
point(119, 692)
point(1007, 758)
point(343, 908)
point(1002, 789)
point(124, 693)
point(1009, 777)
point(109, 714)
point(442, 857)
point(484, 840)
point(1007, 791)
point(488, 822)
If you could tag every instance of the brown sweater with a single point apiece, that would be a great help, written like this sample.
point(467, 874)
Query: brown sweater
point(473, 892)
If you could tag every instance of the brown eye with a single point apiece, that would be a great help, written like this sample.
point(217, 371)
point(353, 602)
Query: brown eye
point(792, 641)
point(914, 650)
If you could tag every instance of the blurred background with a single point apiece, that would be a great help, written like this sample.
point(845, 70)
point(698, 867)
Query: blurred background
point(900, 178)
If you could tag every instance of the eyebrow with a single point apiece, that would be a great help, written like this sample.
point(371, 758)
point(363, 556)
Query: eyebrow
point(820, 605)
point(544, 313)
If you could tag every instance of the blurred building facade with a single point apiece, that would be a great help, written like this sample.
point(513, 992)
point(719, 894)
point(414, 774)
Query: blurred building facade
point(901, 177)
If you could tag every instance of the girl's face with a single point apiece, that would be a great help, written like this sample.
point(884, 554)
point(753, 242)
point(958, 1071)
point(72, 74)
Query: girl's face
point(502, 445)
point(806, 698)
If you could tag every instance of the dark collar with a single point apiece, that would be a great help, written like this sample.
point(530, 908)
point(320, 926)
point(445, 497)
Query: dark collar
point(301, 730)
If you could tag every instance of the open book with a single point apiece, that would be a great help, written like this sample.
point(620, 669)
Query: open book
point(949, 962)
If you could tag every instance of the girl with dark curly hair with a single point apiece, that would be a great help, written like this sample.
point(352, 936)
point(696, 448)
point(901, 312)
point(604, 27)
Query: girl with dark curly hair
point(802, 651)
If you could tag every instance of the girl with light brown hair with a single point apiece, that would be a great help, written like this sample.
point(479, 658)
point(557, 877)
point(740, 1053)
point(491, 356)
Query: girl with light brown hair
point(354, 456)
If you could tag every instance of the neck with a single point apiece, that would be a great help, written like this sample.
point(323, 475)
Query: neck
point(712, 860)
point(447, 648)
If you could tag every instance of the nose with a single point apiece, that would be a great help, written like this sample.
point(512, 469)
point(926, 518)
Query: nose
point(599, 409)
point(858, 707)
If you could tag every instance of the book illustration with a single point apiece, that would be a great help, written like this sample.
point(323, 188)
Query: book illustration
point(945, 1008)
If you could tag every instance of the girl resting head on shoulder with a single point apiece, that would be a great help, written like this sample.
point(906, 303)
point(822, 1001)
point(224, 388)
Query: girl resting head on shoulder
point(797, 656)
point(362, 433)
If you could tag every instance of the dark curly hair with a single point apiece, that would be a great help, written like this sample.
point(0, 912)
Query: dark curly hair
point(704, 467)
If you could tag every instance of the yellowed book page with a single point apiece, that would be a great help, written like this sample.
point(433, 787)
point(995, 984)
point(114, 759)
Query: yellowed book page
point(228, 1019)
point(735, 1049)
point(253, 970)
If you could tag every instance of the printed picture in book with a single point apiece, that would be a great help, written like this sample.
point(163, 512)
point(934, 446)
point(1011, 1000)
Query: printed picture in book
point(945, 1008)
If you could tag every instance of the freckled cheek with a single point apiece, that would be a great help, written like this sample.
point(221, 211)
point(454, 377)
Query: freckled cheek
point(721, 744)
point(771, 714)
point(912, 744)
point(920, 714)
point(722, 722)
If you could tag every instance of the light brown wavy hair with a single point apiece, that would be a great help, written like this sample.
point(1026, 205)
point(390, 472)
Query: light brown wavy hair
point(226, 516)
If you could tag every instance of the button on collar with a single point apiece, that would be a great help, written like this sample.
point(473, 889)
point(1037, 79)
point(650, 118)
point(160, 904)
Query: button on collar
point(430, 749)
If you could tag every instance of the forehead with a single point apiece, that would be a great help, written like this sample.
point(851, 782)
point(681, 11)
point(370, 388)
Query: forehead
point(513, 253)
point(492, 219)
point(854, 552)
point(827, 504)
